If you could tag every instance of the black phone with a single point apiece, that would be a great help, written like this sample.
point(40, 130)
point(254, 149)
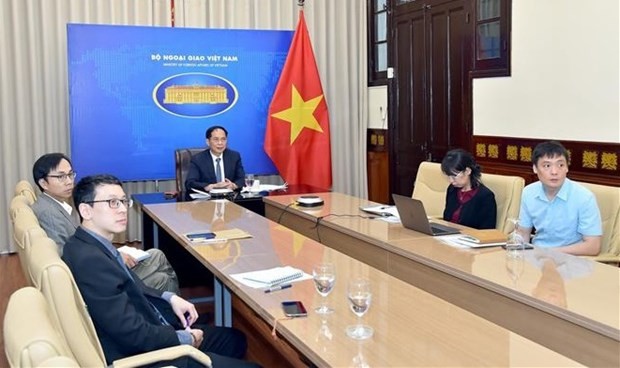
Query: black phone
point(201, 236)
point(294, 308)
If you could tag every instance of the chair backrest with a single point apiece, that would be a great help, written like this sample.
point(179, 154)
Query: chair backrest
point(26, 231)
point(608, 199)
point(430, 188)
point(30, 337)
point(68, 310)
point(19, 203)
point(24, 188)
point(182, 157)
point(507, 190)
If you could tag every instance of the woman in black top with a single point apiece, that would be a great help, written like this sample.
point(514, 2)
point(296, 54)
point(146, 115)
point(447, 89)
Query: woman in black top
point(468, 201)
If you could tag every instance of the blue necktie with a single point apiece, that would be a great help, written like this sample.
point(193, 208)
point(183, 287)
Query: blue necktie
point(218, 170)
point(120, 261)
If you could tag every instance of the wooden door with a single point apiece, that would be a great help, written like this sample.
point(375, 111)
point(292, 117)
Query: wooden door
point(430, 95)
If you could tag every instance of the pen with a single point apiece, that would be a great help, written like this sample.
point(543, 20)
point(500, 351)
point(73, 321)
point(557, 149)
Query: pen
point(210, 241)
point(278, 287)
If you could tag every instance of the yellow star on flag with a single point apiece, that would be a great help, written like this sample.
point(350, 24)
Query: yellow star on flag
point(300, 114)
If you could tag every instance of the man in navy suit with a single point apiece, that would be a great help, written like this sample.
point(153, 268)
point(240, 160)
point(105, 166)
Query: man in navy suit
point(217, 167)
point(130, 317)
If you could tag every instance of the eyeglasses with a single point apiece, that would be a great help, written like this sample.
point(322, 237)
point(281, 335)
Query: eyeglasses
point(64, 177)
point(115, 203)
point(223, 140)
point(455, 176)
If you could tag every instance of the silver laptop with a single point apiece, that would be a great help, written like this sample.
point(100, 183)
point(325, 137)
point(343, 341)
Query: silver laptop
point(413, 216)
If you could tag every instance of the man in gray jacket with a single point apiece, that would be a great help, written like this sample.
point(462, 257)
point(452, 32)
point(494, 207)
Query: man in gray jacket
point(54, 175)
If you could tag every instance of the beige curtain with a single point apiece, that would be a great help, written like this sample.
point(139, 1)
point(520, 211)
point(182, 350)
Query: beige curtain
point(33, 76)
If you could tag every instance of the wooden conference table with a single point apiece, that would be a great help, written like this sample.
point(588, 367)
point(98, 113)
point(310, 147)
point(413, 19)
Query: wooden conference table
point(251, 201)
point(566, 303)
point(412, 327)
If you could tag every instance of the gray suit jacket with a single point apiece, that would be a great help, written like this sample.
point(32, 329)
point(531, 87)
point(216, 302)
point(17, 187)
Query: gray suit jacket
point(56, 222)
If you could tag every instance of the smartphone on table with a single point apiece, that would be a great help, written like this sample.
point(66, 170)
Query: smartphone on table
point(294, 308)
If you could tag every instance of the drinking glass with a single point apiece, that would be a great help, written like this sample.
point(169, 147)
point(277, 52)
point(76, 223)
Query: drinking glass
point(360, 296)
point(324, 280)
point(249, 181)
point(515, 243)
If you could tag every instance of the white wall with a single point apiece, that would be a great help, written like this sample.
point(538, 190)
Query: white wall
point(565, 75)
point(377, 108)
point(565, 71)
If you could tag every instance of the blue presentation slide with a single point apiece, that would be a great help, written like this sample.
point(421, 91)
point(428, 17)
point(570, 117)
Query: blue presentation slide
point(138, 93)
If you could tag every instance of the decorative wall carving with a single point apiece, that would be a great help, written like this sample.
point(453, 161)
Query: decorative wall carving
point(593, 162)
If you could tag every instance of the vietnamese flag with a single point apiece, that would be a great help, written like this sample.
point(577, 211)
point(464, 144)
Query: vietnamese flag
point(297, 136)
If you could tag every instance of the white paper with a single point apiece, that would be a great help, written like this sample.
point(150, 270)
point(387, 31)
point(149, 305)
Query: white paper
point(135, 253)
point(382, 210)
point(199, 194)
point(216, 191)
point(265, 188)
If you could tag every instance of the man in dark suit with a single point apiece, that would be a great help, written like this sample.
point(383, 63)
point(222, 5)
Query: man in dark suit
point(216, 167)
point(129, 317)
point(54, 175)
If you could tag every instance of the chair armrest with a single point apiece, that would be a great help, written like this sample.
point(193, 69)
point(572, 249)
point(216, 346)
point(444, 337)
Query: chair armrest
point(605, 258)
point(170, 353)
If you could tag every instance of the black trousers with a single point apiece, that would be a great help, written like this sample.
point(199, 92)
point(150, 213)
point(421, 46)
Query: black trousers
point(225, 346)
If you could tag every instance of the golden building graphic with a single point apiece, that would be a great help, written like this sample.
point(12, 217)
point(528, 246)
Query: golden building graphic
point(195, 94)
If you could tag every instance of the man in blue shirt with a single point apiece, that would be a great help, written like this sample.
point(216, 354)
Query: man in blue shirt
point(564, 213)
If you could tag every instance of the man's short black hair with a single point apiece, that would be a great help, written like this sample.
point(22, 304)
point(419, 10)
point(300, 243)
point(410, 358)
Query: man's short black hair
point(548, 149)
point(211, 129)
point(45, 165)
point(86, 189)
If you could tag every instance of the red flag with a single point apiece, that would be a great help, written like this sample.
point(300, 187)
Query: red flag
point(297, 136)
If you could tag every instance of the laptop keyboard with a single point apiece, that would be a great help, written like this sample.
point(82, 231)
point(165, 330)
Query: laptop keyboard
point(437, 230)
point(440, 229)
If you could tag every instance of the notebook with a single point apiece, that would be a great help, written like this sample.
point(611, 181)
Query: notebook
point(274, 276)
point(413, 216)
point(135, 253)
point(481, 238)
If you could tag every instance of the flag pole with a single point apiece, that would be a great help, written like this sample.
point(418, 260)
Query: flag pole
point(300, 3)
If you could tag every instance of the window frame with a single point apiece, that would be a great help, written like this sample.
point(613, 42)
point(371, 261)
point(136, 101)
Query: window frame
point(496, 67)
point(377, 78)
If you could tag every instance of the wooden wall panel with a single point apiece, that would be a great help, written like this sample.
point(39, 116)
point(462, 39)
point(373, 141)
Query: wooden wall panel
point(378, 168)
